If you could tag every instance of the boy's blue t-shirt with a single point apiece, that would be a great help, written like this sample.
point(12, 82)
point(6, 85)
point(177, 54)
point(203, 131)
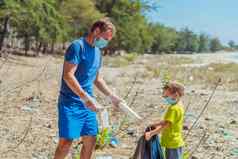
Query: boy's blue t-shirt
point(88, 61)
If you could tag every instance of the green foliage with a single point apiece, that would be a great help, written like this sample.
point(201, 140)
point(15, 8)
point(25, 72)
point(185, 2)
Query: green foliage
point(203, 43)
point(103, 138)
point(165, 39)
point(215, 45)
point(133, 34)
point(130, 57)
point(59, 21)
point(79, 15)
point(231, 44)
point(187, 41)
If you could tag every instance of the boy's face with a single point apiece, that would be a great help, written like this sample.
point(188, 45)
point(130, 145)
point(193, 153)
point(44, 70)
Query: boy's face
point(167, 93)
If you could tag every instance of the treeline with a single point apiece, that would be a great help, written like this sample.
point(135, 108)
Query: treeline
point(232, 46)
point(47, 26)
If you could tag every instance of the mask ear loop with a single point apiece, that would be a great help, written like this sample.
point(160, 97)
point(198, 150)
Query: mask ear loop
point(177, 96)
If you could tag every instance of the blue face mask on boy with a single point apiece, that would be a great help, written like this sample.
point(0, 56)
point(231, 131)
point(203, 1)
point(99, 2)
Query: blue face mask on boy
point(100, 43)
point(169, 101)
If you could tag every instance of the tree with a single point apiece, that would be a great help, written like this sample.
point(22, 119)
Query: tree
point(9, 9)
point(231, 44)
point(43, 24)
point(203, 43)
point(133, 31)
point(215, 45)
point(38, 20)
point(187, 41)
point(164, 39)
point(79, 14)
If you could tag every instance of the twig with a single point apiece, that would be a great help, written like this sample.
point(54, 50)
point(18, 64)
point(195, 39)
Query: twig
point(189, 103)
point(26, 131)
point(26, 82)
point(132, 86)
point(204, 108)
point(134, 99)
point(202, 140)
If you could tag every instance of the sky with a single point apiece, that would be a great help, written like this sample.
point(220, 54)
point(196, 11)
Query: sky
point(217, 18)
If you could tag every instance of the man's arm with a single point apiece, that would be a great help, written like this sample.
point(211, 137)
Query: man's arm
point(73, 84)
point(103, 87)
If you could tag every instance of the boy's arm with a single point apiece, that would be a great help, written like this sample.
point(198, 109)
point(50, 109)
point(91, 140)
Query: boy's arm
point(156, 124)
point(160, 126)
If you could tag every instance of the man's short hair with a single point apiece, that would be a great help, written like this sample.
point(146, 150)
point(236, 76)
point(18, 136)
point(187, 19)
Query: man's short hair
point(104, 24)
point(175, 87)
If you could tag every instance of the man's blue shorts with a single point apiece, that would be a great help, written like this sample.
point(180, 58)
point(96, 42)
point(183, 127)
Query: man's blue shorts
point(76, 120)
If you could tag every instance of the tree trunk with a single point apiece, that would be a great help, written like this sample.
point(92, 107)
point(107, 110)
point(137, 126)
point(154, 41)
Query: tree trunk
point(64, 46)
point(4, 31)
point(27, 44)
point(38, 49)
point(45, 46)
point(52, 47)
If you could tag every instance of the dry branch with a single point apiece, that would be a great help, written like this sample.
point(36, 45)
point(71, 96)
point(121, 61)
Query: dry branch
point(204, 108)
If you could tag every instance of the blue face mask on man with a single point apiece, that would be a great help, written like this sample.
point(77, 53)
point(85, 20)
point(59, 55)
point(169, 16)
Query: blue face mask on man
point(169, 101)
point(100, 43)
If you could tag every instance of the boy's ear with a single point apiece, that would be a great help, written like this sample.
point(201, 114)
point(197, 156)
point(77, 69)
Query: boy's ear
point(178, 95)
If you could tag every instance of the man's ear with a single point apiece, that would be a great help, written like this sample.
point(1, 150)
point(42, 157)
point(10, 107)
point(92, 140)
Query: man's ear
point(96, 32)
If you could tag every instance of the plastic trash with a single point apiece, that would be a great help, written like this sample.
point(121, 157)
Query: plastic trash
point(105, 118)
point(148, 149)
point(126, 109)
point(114, 142)
point(227, 135)
point(234, 152)
point(104, 157)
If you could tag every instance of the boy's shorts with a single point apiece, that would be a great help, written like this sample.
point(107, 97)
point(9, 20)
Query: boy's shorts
point(75, 121)
point(174, 153)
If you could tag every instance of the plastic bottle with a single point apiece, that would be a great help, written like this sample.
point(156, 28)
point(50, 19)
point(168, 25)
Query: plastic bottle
point(105, 118)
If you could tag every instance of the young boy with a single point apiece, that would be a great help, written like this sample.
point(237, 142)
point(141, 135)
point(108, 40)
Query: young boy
point(171, 126)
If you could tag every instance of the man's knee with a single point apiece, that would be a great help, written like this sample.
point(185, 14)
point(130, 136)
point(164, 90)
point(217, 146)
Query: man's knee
point(89, 143)
point(64, 144)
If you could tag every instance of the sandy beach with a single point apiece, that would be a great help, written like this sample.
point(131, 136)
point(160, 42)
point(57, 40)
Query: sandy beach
point(29, 86)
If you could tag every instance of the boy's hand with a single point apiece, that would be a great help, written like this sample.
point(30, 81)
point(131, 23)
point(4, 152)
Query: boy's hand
point(148, 136)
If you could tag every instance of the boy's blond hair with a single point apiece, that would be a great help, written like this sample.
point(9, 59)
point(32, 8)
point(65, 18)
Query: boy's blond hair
point(175, 88)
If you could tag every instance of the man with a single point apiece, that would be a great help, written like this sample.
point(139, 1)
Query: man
point(76, 104)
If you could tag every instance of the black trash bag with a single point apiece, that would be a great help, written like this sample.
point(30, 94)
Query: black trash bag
point(148, 149)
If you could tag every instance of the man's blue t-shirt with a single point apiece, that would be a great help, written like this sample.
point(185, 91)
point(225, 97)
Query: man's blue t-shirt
point(88, 61)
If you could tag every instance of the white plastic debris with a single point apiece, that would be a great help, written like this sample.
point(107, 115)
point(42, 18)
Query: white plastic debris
point(104, 157)
point(126, 109)
point(105, 118)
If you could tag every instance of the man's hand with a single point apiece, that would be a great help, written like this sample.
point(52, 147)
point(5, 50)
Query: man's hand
point(92, 103)
point(115, 100)
point(148, 136)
